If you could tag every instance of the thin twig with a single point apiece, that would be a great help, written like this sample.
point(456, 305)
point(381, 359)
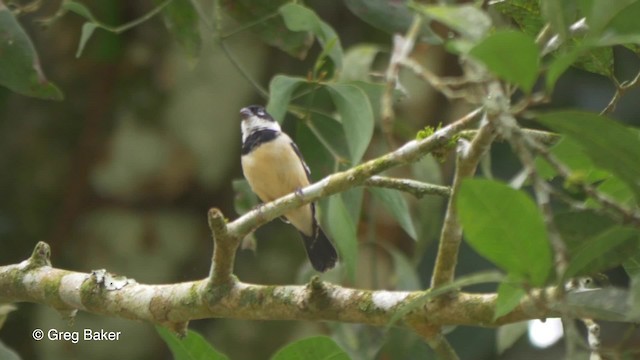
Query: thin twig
point(621, 89)
point(413, 187)
point(402, 47)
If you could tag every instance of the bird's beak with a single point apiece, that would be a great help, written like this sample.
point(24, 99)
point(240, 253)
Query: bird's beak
point(245, 113)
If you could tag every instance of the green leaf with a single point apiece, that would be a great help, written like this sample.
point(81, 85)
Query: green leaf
point(375, 92)
point(181, 19)
point(20, 68)
point(280, 90)
point(330, 133)
point(87, 30)
point(78, 8)
point(604, 251)
point(313, 348)
point(577, 226)
point(356, 116)
point(597, 60)
point(457, 284)
point(610, 145)
point(261, 17)
point(397, 205)
point(510, 55)
point(316, 155)
point(617, 190)
point(599, 13)
point(559, 65)
point(508, 335)
point(192, 347)
point(504, 225)
point(300, 18)
point(605, 304)
point(353, 199)
point(343, 231)
point(526, 13)
point(509, 296)
point(570, 153)
point(391, 17)
point(357, 62)
point(623, 28)
point(92, 23)
point(468, 20)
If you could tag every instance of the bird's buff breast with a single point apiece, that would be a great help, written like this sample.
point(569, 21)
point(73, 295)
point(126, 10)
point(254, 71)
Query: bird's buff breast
point(274, 170)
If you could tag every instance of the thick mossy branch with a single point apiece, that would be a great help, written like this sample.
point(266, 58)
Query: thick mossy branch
point(176, 304)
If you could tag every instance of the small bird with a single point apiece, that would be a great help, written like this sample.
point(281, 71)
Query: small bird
point(273, 166)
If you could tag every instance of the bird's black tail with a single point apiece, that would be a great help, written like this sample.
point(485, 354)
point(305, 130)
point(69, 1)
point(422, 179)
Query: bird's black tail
point(322, 254)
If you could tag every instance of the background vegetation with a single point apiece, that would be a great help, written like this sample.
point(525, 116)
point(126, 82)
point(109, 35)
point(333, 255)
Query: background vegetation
point(143, 139)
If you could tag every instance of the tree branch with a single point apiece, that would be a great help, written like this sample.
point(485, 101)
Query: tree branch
point(173, 305)
point(413, 187)
point(469, 155)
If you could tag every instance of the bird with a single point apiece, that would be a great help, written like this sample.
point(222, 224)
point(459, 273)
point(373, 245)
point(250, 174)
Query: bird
point(274, 167)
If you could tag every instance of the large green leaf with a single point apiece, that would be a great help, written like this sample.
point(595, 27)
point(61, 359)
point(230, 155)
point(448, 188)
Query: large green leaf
point(300, 18)
point(280, 90)
point(261, 17)
point(356, 116)
point(576, 227)
point(468, 20)
point(313, 348)
point(191, 347)
point(610, 145)
point(604, 251)
point(397, 205)
point(20, 68)
point(504, 225)
point(343, 231)
point(510, 55)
